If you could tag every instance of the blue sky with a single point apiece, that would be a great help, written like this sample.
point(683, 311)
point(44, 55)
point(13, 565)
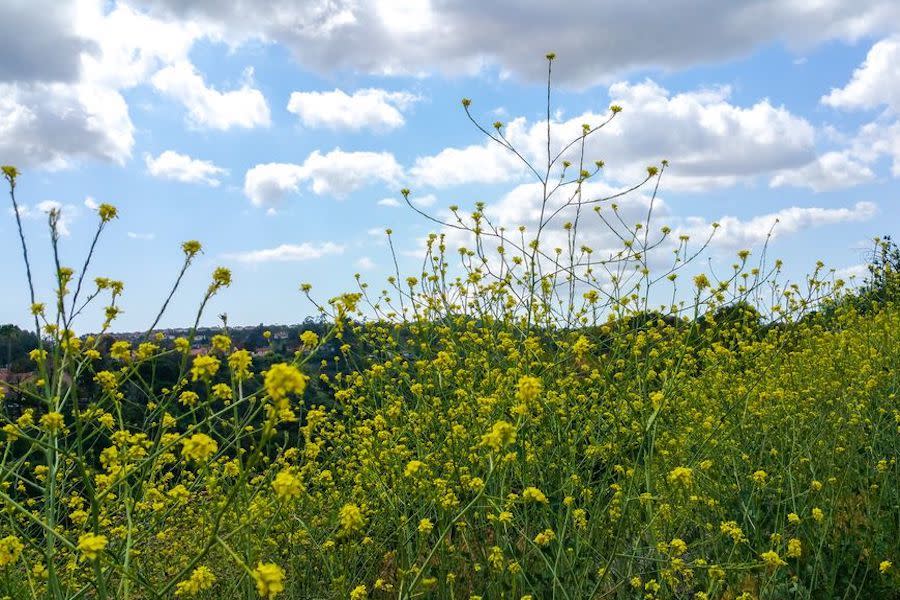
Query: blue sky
point(280, 138)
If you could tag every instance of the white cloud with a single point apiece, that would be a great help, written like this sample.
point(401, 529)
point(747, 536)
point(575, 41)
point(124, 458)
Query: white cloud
point(267, 184)
point(37, 41)
point(710, 141)
point(831, 171)
point(871, 142)
point(365, 263)
point(339, 173)
point(856, 272)
point(244, 107)
point(875, 83)
point(90, 203)
point(704, 135)
point(424, 201)
point(336, 173)
point(879, 139)
point(53, 124)
point(41, 210)
point(129, 45)
point(288, 253)
point(389, 202)
point(180, 167)
point(736, 233)
point(141, 236)
point(65, 65)
point(365, 109)
point(482, 163)
point(594, 40)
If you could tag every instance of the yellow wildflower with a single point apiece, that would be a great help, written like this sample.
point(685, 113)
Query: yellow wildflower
point(91, 545)
point(199, 447)
point(52, 422)
point(533, 494)
point(239, 362)
point(502, 434)
point(269, 579)
point(10, 550)
point(681, 476)
point(286, 485)
point(202, 578)
point(771, 559)
point(351, 518)
point(282, 380)
point(425, 526)
point(205, 367)
point(188, 398)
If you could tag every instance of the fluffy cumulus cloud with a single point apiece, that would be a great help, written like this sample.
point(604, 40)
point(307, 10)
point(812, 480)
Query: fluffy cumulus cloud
point(41, 210)
point(288, 253)
point(54, 124)
point(523, 206)
point(180, 167)
point(336, 173)
point(425, 201)
point(37, 42)
point(66, 65)
point(735, 233)
point(365, 263)
point(266, 185)
point(130, 45)
point(76, 57)
point(339, 173)
point(478, 163)
point(598, 38)
point(831, 171)
point(709, 141)
point(370, 108)
point(705, 136)
point(875, 83)
point(853, 272)
point(208, 107)
point(879, 138)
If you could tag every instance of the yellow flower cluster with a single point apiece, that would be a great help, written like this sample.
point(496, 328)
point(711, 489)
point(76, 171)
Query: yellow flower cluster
point(286, 485)
point(202, 578)
point(10, 550)
point(199, 447)
point(204, 367)
point(281, 381)
point(269, 579)
point(351, 518)
point(91, 545)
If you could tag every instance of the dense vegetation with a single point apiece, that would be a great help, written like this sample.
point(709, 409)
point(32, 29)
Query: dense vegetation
point(517, 426)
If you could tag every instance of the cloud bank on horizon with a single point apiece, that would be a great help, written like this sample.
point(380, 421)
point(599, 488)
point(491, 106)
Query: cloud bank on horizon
point(282, 136)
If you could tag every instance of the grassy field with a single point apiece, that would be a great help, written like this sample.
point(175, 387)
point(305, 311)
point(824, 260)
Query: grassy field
point(512, 425)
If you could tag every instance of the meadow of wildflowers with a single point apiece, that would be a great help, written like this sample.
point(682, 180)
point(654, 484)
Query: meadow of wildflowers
point(515, 421)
